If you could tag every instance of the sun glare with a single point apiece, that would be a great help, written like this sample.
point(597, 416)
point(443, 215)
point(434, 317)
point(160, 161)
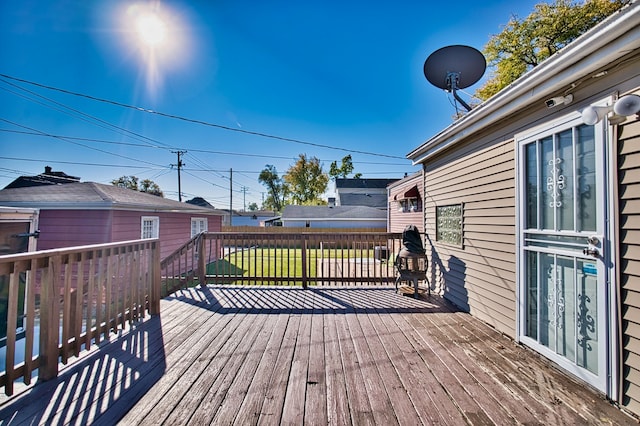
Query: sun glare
point(151, 29)
point(156, 35)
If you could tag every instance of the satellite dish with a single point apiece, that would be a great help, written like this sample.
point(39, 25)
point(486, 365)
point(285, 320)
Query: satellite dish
point(455, 67)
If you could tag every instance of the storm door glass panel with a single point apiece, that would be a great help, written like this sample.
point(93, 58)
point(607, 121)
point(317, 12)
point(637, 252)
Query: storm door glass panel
point(546, 298)
point(532, 294)
point(557, 305)
point(587, 325)
point(547, 166)
point(531, 160)
point(586, 178)
point(563, 181)
point(565, 306)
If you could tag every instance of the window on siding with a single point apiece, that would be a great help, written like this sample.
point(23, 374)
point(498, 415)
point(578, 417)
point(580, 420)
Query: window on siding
point(150, 227)
point(198, 225)
point(410, 205)
point(449, 224)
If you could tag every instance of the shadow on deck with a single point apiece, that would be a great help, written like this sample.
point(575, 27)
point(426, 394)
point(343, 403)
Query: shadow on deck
point(326, 355)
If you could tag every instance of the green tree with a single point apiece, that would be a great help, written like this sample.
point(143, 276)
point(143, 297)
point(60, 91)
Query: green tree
point(131, 182)
point(276, 188)
point(525, 43)
point(343, 171)
point(253, 207)
point(306, 181)
point(150, 187)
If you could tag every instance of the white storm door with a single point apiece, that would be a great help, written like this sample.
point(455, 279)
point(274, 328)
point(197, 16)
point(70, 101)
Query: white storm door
point(562, 257)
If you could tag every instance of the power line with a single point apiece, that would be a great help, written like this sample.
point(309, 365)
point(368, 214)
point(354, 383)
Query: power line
point(204, 151)
point(195, 121)
point(77, 163)
point(161, 170)
point(80, 144)
point(78, 114)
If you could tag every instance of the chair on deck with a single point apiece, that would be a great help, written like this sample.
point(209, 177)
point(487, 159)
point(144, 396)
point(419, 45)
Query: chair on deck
point(411, 262)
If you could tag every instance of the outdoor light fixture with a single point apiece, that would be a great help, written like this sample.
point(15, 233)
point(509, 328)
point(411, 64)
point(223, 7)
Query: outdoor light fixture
point(627, 105)
point(621, 109)
point(593, 114)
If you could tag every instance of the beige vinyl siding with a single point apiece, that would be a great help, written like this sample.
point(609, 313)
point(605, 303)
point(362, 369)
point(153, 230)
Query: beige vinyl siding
point(629, 234)
point(479, 276)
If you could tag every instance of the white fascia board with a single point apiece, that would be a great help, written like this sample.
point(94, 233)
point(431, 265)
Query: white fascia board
point(611, 39)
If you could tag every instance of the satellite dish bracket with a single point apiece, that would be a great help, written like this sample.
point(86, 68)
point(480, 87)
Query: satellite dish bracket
point(452, 85)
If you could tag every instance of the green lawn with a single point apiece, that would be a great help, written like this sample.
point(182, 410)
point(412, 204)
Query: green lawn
point(274, 262)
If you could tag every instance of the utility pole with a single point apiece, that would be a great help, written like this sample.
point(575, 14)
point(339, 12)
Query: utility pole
point(179, 166)
point(244, 198)
point(230, 197)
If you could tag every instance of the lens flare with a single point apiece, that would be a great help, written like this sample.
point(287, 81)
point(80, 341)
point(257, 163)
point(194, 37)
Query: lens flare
point(151, 29)
point(155, 34)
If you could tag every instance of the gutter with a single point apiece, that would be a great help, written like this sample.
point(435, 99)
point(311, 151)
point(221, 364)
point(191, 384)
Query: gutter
point(593, 50)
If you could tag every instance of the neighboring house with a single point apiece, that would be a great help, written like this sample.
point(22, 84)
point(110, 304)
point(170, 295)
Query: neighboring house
point(91, 213)
point(252, 218)
point(18, 230)
point(334, 217)
point(199, 201)
point(247, 218)
point(405, 198)
point(532, 211)
point(49, 177)
point(362, 192)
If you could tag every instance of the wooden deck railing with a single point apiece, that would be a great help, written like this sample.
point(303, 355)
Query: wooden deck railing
point(61, 301)
point(264, 258)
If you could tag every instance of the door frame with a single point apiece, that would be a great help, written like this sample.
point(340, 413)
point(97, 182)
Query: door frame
point(604, 135)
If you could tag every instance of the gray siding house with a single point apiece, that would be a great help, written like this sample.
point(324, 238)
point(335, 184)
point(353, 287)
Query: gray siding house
point(334, 217)
point(362, 192)
point(532, 213)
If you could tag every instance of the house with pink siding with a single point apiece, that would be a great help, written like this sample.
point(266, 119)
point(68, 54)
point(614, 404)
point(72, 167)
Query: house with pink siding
point(92, 213)
point(405, 198)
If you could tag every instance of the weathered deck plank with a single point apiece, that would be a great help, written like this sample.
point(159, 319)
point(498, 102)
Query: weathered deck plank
point(328, 355)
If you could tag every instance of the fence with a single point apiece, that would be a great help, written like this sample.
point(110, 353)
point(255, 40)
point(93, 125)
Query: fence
point(265, 258)
point(59, 302)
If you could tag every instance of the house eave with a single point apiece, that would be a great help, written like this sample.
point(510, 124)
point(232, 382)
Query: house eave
point(612, 38)
point(106, 205)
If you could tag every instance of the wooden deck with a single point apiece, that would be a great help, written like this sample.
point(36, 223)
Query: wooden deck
point(264, 355)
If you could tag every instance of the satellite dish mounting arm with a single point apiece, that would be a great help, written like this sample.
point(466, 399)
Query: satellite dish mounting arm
point(452, 85)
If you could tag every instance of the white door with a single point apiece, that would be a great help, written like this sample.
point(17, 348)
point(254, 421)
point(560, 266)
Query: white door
point(563, 248)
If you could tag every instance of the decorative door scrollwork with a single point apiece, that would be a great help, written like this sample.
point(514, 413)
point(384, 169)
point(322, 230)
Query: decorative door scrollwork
point(555, 182)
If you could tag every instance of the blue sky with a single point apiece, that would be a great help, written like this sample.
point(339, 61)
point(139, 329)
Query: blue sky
point(238, 77)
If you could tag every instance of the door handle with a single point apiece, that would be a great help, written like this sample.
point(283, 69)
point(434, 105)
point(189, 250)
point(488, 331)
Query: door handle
point(591, 252)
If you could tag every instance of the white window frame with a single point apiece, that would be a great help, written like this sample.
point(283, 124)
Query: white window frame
point(155, 227)
point(198, 221)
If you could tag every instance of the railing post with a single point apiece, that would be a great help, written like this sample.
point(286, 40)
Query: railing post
point(305, 273)
point(49, 320)
point(154, 305)
point(202, 260)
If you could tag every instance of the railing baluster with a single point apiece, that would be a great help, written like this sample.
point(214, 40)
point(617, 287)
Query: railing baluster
point(67, 308)
point(108, 294)
point(12, 319)
point(30, 301)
